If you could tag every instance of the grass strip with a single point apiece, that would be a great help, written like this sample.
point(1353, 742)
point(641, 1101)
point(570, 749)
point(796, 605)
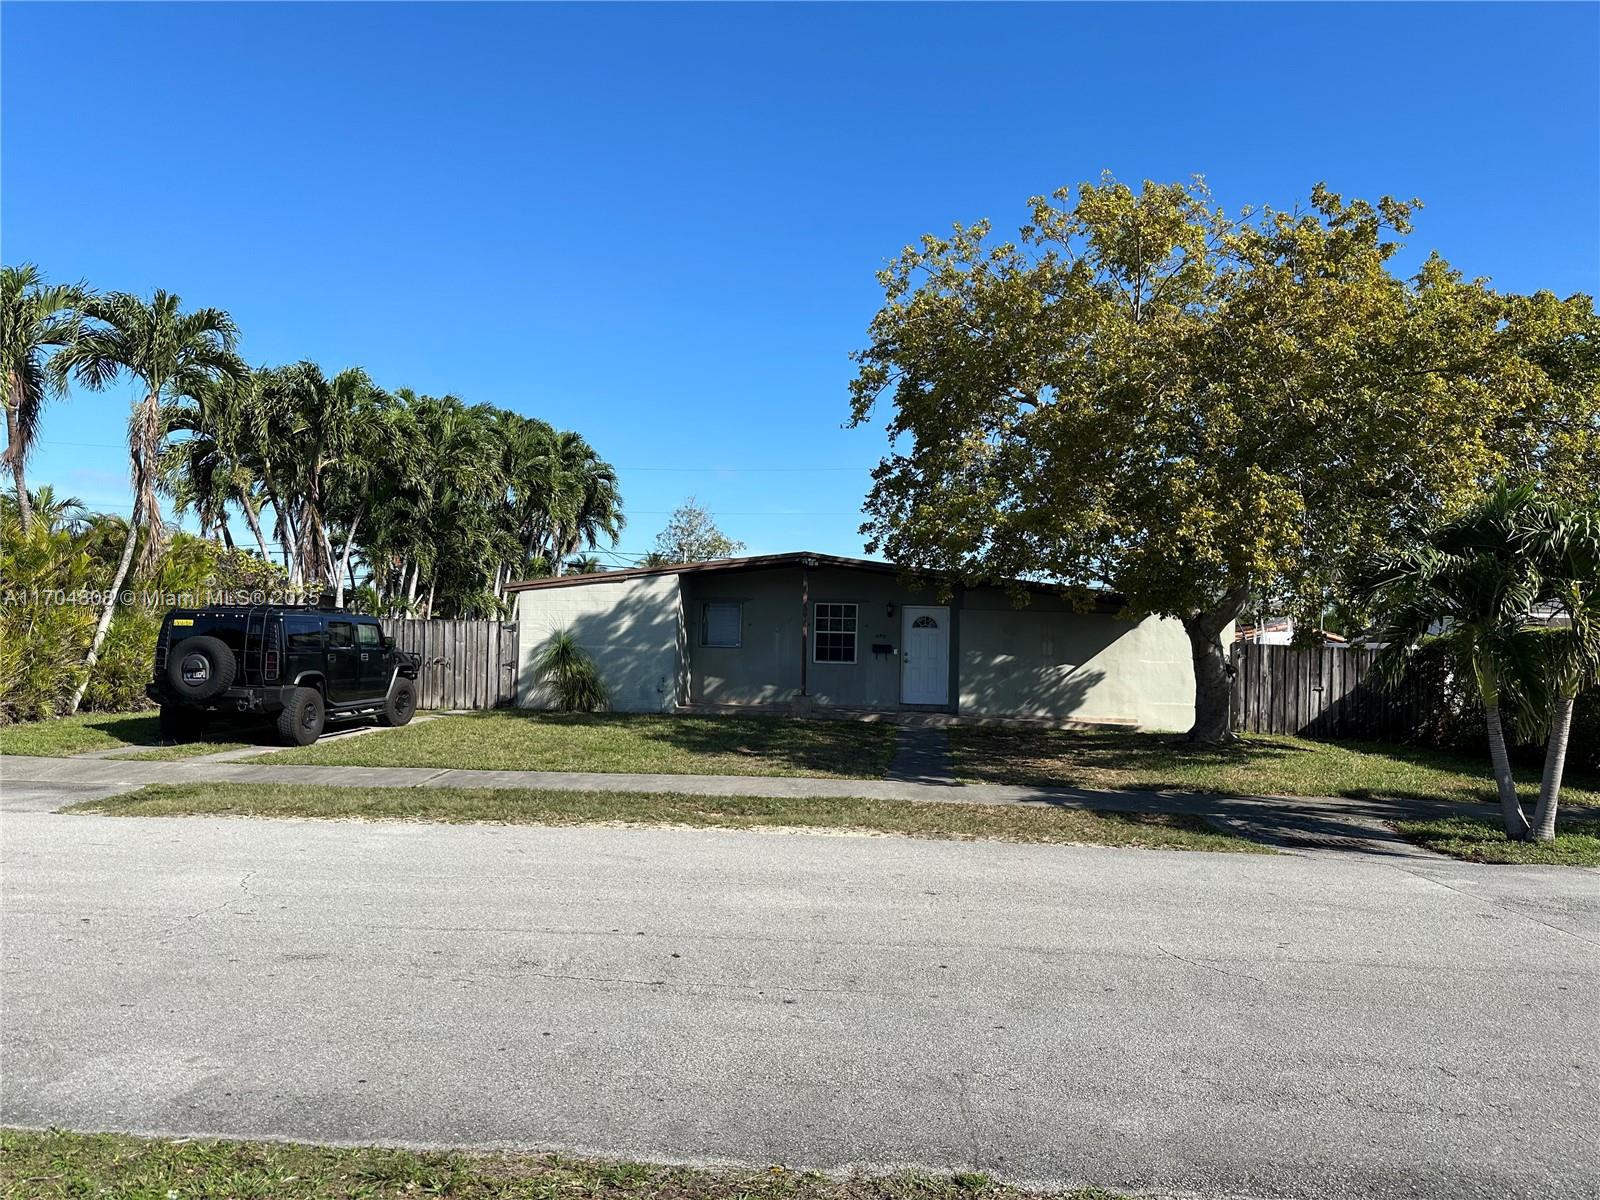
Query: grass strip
point(530, 806)
point(1577, 842)
point(54, 1165)
point(1252, 765)
point(61, 737)
point(184, 750)
point(523, 740)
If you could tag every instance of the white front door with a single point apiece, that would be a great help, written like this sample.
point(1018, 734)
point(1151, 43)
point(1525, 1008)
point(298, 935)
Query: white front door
point(925, 655)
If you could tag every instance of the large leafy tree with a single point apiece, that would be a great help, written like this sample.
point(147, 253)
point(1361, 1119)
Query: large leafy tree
point(1194, 410)
point(37, 321)
point(170, 353)
point(691, 536)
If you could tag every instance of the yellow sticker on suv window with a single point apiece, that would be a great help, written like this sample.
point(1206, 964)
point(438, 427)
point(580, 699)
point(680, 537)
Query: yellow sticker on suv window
point(182, 621)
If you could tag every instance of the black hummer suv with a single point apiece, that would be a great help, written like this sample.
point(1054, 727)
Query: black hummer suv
point(303, 666)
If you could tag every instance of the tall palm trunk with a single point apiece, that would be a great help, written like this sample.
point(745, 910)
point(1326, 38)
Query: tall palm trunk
point(344, 562)
point(14, 449)
point(144, 437)
point(254, 521)
point(107, 610)
point(1555, 763)
point(1510, 808)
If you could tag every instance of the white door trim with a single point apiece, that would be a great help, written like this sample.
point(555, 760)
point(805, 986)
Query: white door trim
point(931, 695)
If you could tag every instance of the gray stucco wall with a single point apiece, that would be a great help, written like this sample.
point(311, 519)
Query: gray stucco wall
point(1044, 660)
point(632, 628)
point(766, 669)
point(1041, 660)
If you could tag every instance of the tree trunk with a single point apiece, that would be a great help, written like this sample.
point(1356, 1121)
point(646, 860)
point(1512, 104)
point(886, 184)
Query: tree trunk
point(1213, 675)
point(1555, 762)
point(411, 589)
point(255, 527)
point(344, 563)
point(14, 455)
point(107, 610)
point(432, 584)
point(1510, 809)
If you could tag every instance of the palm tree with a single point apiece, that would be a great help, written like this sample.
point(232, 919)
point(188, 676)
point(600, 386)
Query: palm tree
point(210, 468)
point(34, 319)
point(58, 514)
point(1475, 583)
point(1572, 658)
point(171, 353)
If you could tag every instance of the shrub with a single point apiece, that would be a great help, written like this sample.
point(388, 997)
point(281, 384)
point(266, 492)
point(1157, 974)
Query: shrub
point(45, 631)
point(570, 675)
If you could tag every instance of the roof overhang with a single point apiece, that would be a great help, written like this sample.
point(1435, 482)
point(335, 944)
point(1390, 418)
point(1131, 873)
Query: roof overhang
point(1104, 601)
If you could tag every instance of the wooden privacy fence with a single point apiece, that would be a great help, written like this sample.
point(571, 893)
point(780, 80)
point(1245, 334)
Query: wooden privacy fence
point(465, 664)
point(1326, 692)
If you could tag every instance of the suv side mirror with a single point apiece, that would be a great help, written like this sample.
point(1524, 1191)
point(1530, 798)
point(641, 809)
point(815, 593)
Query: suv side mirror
point(388, 642)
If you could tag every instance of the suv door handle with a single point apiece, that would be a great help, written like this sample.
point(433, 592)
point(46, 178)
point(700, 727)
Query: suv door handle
point(363, 656)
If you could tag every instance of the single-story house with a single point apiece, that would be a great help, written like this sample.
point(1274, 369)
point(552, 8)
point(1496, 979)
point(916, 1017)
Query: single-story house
point(807, 632)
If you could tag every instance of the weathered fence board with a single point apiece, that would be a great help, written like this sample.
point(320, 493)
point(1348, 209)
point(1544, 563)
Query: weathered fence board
point(465, 664)
point(1325, 691)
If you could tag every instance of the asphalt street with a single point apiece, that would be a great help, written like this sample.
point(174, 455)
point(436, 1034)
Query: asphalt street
point(1290, 1026)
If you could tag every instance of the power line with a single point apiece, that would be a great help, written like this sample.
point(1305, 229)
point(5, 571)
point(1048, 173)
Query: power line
point(712, 469)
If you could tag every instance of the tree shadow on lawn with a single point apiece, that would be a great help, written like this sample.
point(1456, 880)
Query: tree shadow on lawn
point(858, 748)
point(1250, 765)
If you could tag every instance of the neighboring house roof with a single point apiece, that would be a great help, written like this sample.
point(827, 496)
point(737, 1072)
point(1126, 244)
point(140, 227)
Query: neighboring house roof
point(1281, 627)
point(1104, 601)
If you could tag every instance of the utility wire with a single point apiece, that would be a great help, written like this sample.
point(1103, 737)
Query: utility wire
point(739, 470)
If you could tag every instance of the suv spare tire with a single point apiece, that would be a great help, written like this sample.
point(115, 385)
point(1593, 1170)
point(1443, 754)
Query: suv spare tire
point(303, 717)
point(401, 703)
point(199, 668)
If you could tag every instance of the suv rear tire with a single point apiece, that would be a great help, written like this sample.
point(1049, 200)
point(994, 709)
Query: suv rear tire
point(303, 717)
point(401, 704)
point(199, 668)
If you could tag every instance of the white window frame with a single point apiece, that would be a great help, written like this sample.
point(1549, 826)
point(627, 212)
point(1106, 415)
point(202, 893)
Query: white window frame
point(705, 624)
point(855, 634)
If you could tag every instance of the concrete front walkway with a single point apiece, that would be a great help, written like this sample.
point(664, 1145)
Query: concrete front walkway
point(1301, 822)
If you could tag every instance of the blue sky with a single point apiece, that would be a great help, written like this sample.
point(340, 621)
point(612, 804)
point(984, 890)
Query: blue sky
point(659, 225)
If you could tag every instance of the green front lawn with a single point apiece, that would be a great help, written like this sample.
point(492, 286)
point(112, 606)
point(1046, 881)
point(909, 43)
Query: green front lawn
point(137, 733)
point(518, 740)
point(1577, 841)
point(64, 736)
point(1252, 765)
point(528, 806)
point(56, 1165)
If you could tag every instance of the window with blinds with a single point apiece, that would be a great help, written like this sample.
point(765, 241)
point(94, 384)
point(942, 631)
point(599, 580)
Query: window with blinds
point(834, 637)
point(722, 623)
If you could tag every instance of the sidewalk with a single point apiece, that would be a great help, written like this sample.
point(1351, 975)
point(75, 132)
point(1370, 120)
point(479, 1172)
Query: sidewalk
point(1315, 823)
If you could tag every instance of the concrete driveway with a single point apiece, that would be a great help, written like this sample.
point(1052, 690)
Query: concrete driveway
point(1332, 1026)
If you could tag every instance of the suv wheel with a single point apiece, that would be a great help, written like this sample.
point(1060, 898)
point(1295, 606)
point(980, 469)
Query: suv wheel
point(199, 668)
point(401, 704)
point(303, 717)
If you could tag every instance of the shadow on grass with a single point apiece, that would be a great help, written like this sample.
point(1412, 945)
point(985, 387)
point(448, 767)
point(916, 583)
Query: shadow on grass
point(133, 729)
point(1250, 765)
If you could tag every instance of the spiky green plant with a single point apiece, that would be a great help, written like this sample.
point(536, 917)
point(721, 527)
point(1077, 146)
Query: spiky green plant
point(570, 675)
